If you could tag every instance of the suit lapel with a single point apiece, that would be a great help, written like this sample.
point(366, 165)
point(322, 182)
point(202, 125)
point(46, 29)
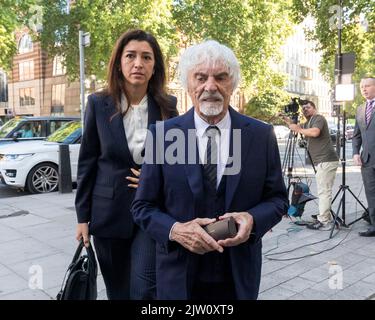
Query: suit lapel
point(246, 141)
point(116, 126)
point(193, 171)
point(362, 117)
point(154, 113)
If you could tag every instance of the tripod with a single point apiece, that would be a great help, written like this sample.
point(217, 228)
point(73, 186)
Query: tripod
point(299, 197)
point(344, 187)
point(288, 162)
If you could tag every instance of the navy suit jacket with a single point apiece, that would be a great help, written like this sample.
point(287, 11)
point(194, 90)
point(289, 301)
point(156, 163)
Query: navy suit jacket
point(170, 193)
point(103, 197)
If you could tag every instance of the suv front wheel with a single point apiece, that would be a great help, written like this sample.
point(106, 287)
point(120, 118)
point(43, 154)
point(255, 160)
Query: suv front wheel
point(43, 178)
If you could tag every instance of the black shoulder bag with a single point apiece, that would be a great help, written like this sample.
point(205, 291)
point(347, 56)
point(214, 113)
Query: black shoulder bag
point(80, 279)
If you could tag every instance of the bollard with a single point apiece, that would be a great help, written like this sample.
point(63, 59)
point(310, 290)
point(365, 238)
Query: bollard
point(65, 173)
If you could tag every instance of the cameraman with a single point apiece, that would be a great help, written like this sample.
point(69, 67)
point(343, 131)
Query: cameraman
point(324, 157)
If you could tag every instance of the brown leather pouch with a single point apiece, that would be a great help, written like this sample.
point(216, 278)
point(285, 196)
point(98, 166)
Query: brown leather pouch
point(222, 229)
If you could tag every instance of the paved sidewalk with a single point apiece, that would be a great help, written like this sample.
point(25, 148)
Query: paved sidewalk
point(40, 237)
point(43, 239)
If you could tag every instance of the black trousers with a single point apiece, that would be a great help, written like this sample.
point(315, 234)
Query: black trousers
point(368, 177)
point(127, 266)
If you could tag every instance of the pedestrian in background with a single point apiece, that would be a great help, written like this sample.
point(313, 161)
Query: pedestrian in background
point(111, 154)
point(364, 137)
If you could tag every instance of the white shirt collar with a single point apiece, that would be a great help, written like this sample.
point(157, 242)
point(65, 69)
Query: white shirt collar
point(201, 125)
point(142, 106)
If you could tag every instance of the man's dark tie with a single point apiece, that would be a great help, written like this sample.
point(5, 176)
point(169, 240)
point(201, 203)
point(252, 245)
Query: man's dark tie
point(210, 167)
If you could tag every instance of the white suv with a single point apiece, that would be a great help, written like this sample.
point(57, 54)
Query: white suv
point(33, 165)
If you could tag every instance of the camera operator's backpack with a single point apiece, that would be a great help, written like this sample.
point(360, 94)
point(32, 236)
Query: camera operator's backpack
point(80, 277)
point(301, 194)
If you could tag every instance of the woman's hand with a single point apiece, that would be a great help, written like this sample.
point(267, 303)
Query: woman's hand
point(134, 180)
point(83, 232)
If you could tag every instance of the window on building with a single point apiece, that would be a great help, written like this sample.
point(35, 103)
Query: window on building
point(58, 96)
point(26, 69)
point(58, 67)
point(26, 44)
point(27, 97)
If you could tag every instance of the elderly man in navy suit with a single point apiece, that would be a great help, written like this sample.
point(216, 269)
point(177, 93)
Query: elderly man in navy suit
point(210, 164)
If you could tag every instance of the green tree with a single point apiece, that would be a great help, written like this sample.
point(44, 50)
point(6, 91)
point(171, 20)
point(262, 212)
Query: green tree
point(358, 34)
point(254, 29)
point(106, 20)
point(242, 25)
point(13, 14)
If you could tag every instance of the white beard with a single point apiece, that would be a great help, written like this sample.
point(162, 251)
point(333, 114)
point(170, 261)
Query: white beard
point(210, 109)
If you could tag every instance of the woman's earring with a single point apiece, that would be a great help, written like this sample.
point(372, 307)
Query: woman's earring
point(153, 71)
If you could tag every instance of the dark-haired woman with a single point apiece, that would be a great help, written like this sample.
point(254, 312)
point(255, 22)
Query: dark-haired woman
point(116, 122)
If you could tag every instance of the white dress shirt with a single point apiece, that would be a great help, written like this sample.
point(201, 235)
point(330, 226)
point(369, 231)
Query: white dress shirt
point(135, 126)
point(222, 140)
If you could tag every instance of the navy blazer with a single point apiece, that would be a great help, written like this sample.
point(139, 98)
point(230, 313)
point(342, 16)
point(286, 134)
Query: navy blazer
point(170, 193)
point(103, 197)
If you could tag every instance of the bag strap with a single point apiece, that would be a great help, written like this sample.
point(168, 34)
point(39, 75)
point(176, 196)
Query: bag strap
point(89, 250)
point(78, 251)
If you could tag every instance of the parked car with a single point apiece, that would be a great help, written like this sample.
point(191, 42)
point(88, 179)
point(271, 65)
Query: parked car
point(281, 132)
point(31, 128)
point(33, 165)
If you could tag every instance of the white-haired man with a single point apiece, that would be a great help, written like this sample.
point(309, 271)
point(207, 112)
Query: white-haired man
point(175, 201)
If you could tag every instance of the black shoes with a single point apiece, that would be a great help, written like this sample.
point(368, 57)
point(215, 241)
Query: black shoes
point(368, 233)
point(366, 217)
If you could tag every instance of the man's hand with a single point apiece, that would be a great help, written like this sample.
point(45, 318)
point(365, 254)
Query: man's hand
point(295, 127)
point(193, 237)
point(357, 160)
point(245, 224)
point(285, 118)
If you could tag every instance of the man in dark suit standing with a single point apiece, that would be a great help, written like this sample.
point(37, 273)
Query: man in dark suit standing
point(217, 164)
point(364, 136)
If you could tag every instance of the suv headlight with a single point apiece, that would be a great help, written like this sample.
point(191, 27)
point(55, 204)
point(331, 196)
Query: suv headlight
point(16, 157)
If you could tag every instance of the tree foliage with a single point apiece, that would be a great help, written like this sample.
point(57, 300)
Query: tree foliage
point(105, 20)
point(255, 30)
point(13, 14)
point(357, 33)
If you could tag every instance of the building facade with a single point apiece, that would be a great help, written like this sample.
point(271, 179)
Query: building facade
point(38, 85)
point(301, 64)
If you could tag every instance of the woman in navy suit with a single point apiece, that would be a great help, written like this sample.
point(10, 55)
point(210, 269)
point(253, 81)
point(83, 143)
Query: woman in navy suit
point(111, 154)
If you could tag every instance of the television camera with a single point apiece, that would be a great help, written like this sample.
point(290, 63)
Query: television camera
point(292, 109)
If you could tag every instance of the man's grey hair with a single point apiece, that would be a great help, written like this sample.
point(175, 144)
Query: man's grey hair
point(210, 52)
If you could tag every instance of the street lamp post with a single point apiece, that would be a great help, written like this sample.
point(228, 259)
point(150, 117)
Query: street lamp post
point(84, 41)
